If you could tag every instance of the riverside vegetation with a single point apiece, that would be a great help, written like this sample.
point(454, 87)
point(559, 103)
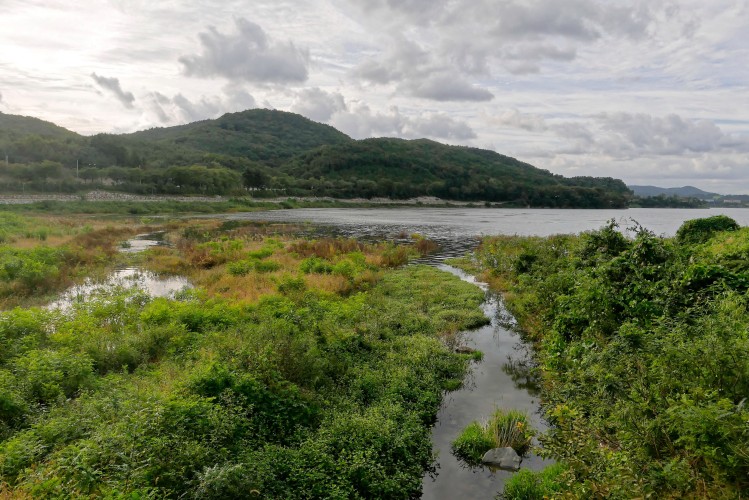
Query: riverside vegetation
point(643, 350)
point(295, 368)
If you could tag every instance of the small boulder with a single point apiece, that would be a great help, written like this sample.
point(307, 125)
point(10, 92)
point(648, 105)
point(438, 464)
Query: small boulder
point(464, 350)
point(503, 458)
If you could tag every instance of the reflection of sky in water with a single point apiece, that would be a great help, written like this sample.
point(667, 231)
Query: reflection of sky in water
point(149, 282)
point(501, 380)
point(143, 242)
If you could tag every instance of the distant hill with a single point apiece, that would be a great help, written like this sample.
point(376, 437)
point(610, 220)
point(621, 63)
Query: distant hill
point(19, 126)
point(262, 135)
point(685, 192)
point(398, 168)
point(279, 153)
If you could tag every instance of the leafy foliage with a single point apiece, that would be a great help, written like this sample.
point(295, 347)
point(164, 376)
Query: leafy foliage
point(503, 429)
point(643, 349)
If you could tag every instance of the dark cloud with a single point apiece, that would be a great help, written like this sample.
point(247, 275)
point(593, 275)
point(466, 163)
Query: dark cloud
point(445, 87)
point(113, 85)
point(247, 55)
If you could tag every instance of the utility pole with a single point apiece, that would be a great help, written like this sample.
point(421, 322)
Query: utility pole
point(76, 169)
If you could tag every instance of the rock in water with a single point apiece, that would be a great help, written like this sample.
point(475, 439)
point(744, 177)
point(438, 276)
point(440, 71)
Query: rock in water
point(504, 458)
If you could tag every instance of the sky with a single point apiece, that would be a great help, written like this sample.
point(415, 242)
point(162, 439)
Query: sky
point(651, 92)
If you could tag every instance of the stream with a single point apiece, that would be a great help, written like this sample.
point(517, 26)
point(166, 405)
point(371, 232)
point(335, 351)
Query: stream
point(500, 380)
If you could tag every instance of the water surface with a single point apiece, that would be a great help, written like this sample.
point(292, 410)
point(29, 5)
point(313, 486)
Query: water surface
point(460, 223)
point(500, 380)
point(130, 277)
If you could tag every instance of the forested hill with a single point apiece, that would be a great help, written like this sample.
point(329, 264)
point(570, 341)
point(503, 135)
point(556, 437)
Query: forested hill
point(262, 135)
point(278, 153)
point(399, 168)
point(20, 126)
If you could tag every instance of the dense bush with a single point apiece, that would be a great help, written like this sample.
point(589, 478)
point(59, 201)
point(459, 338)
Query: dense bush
point(700, 230)
point(642, 347)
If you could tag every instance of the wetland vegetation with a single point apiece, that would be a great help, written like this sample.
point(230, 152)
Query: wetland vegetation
point(643, 354)
point(294, 368)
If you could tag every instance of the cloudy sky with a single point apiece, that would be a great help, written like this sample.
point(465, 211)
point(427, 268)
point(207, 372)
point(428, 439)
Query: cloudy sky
point(652, 92)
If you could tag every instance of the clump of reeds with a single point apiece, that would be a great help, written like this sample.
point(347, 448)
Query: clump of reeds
point(505, 428)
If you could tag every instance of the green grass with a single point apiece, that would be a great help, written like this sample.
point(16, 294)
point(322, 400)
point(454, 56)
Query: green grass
point(527, 485)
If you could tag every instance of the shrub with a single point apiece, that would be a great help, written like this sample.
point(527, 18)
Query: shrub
point(240, 267)
point(527, 485)
point(315, 265)
point(472, 443)
point(700, 230)
point(49, 376)
point(290, 285)
point(267, 266)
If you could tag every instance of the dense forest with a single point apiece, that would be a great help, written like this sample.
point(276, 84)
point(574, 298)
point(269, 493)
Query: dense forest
point(274, 153)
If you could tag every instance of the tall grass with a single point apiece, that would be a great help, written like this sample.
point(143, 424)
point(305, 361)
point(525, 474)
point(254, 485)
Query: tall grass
point(505, 428)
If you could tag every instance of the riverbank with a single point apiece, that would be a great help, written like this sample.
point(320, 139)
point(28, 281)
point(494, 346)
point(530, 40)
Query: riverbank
point(98, 195)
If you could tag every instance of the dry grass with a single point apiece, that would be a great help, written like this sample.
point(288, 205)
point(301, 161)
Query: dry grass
point(326, 248)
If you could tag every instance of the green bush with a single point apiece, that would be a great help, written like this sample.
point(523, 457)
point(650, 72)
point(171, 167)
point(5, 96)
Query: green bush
point(471, 445)
point(700, 230)
point(315, 265)
point(527, 485)
point(49, 376)
point(621, 328)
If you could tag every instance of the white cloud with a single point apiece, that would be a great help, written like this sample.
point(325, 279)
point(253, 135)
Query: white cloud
point(633, 89)
point(361, 122)
point(180, 109)
point(318, 105)
point(247, 55)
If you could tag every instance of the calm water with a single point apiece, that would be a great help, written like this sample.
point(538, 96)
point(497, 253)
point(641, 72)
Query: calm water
point(461, 223)
point(500, 380)
point(152, 284)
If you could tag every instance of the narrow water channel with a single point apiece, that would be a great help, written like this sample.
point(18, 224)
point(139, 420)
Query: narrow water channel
point(500, 380)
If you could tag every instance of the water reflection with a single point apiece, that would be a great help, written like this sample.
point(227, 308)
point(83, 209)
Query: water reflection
point(143, 241)
point(151, 283)
point(503, 379)
point(524, 375)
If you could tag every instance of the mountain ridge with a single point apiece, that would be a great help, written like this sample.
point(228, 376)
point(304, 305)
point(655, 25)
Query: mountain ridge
point(279, 153)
